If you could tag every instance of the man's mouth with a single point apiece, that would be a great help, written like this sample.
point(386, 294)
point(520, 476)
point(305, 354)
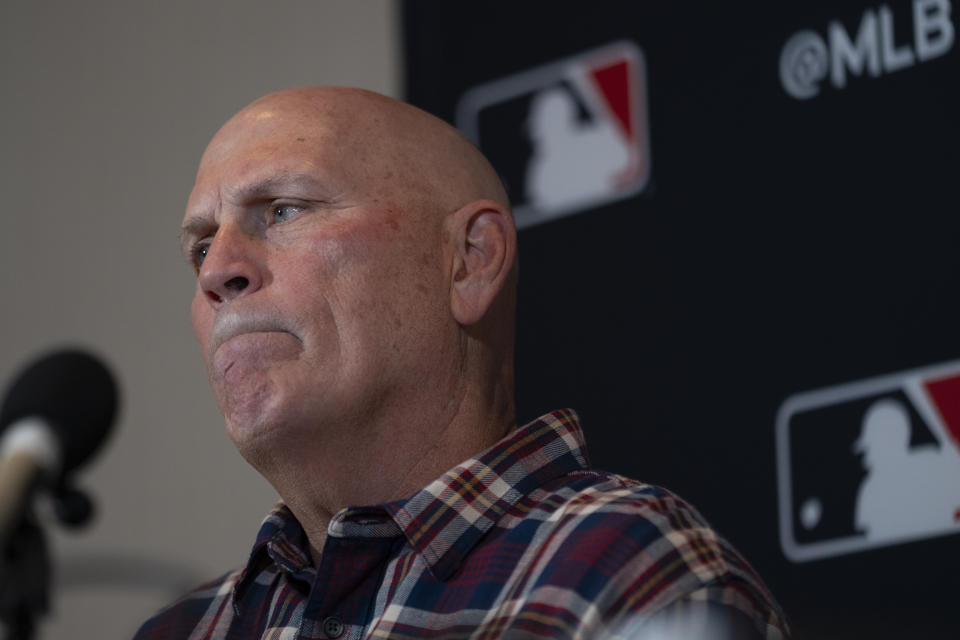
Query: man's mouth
point(230, 325)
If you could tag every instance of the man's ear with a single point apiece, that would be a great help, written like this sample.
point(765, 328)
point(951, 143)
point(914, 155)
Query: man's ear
point(484, 248)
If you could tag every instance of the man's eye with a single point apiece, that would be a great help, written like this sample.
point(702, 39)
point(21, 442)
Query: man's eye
point(199, 253)
point(283, 212)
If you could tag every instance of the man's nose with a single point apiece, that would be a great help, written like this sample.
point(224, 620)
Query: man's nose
point(232, 267)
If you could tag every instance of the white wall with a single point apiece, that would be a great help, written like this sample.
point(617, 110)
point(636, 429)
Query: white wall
point(106, 108)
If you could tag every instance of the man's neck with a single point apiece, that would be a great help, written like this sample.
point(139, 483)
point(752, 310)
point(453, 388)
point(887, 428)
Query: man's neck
point(392, 460)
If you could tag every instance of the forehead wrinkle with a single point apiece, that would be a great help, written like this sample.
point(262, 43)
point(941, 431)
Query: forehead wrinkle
point(279, 183)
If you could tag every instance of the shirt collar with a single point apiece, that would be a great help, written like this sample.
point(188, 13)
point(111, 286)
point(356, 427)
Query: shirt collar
point(446, 519)
point(280, 541)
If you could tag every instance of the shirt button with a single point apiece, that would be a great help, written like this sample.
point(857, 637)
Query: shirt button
point(333, 627)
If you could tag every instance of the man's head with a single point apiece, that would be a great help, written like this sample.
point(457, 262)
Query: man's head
point(355, 260)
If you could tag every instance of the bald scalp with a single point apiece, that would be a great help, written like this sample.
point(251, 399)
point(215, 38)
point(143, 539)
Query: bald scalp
point(392, 141)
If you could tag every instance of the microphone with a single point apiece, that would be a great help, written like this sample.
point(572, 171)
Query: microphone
point(56, 414)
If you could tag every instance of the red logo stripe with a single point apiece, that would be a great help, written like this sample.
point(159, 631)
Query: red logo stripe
point(945, 393)
point(613, 81)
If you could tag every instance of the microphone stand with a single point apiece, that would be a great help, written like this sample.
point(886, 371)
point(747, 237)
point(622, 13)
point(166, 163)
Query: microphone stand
point(24, 579)
point(25, 564)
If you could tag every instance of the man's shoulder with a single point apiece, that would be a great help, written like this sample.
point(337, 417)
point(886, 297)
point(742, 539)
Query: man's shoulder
point(182, 616)
point(642, 523)
point(635, 547)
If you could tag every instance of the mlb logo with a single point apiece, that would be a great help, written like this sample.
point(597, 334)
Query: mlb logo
point(567, 136)
point(870, 464)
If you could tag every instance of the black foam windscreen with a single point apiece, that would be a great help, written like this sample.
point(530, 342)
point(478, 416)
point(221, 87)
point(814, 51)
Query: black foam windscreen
point(74, 393)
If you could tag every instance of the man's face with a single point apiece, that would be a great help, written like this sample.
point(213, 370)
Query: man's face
point(320, 287)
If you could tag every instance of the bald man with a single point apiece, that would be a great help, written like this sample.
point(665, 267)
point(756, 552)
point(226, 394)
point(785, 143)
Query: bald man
point(356, 276)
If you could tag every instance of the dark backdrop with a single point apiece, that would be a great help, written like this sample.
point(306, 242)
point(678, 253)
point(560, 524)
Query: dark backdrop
point(778, 245)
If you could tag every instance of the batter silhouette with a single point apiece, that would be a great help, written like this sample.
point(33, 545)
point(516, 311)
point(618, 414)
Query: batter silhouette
point(573, 161)
point(907, 490)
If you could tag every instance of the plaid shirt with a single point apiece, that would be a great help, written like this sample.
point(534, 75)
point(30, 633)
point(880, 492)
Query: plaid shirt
point(522, 541)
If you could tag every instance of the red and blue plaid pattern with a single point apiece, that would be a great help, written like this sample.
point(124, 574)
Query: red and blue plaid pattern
point(523, 540)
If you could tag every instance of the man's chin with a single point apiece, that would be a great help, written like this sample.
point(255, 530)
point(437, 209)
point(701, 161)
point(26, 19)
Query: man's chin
point(255, 437)
point(249, 410)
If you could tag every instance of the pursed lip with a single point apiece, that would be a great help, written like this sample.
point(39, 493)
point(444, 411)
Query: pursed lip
point(232, 324)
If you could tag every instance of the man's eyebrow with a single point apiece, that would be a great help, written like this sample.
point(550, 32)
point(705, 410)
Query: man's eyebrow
point(193, 227)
